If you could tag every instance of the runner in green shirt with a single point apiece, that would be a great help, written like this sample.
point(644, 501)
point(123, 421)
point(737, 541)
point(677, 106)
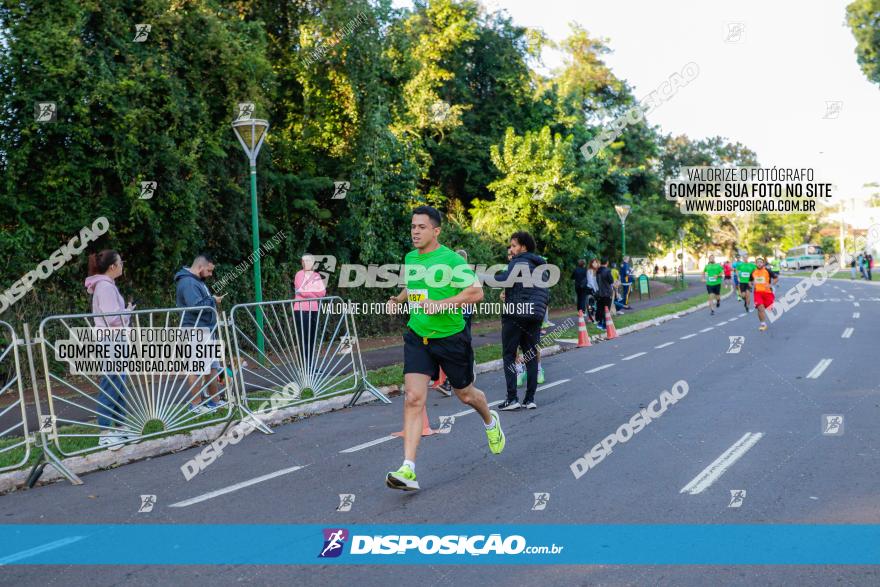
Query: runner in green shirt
point(744, 271)
point(438, 283)
point(713, 275)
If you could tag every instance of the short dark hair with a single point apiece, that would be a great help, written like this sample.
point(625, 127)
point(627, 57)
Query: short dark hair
point(431, 213)
point(203, 258)
point(100, 263)
point(525, 239)
point(604, 261)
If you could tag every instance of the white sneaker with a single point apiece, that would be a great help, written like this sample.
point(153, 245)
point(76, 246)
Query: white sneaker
point(112, 440)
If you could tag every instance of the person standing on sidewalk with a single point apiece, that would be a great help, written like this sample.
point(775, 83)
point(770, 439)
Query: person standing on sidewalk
point(626, 281)
point(307, 285)
point(605, 280)
point(104, 269)
point(525, 304)
point(436, 338)
point(593, 285)
point(579, 276)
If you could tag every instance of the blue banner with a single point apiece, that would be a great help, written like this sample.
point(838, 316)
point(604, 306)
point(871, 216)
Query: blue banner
point(167, 544)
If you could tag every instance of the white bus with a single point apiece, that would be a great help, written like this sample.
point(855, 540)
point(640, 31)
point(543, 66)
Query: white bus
point(804, 256)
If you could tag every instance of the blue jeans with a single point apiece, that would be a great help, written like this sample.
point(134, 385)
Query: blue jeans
point(112, 400)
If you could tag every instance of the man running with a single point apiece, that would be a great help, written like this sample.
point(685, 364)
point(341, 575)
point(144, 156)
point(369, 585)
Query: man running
point(436, 338)
point(712, 275)
point(764, 279)
point(744, 270)
point(728, 272)
point(735, 266)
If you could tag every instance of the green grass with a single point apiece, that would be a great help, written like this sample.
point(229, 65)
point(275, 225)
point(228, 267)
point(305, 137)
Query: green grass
point(839, 275)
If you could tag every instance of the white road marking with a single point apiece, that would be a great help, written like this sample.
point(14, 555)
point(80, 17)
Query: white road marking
point(634, 356)
point(713, 472)
point(734, 318)
point(741, 315)
point(722, 323)
point(856, 304)
point(847, 333)
point(600, 368)
point(495, 403)
point(369, 444)
point(708, 329)
point(819, 369)
point(687, 336)
point(664, 345)
point(236, 487)
point(39, 550)
point(856, 314)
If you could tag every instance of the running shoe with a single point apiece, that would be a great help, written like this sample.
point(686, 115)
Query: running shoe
point(717, 303)
point(509, 404)
point(196, 410)
point(540, 375)
point(446, 388)
point(530, 405)
point(112, 439)
point(403, 478)
point(520, 378)
point(215, 404)
point(711, 312)
point(495, 435)
point(762, 327)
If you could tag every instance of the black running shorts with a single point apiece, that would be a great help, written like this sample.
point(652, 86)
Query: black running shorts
point(454, 354)
point(744, 287)
point(714, 289)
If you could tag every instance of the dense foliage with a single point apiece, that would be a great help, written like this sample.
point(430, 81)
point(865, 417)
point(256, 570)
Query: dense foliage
point(442, 104)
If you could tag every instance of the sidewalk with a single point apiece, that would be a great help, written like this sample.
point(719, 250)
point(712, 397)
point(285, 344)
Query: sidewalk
point(389, 355)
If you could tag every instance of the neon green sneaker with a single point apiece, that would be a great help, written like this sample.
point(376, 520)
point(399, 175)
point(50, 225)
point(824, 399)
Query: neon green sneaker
point(403, 478)
point(496, 435)
point(520, 378)
point(540, 375)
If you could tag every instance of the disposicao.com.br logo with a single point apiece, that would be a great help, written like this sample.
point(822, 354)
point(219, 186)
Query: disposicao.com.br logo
point(455, 544)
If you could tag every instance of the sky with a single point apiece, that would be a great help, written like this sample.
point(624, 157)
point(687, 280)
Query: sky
point(767, 88)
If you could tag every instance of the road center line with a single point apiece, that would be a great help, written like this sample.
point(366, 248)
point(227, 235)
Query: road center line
point(634, 356)
point(722, 323)
point(713, 472)
point(856, 314)
point(39, 550)
point(236, 487)
point(819, 369)
point(847, 333)
point(856, 304)
point(708, 329)
point(599, 368)
point(664, 345)
point(369, 444)
point(495, 403)
point(687, 336)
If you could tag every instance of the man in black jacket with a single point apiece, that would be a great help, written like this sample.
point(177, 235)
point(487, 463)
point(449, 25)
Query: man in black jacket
point(525, 303)
point(605, 279)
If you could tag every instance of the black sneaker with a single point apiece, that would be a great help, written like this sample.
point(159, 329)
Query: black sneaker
point(509, 404)
point(711, 312)
point(717, 303)
point(446, 388)
point(530, 405)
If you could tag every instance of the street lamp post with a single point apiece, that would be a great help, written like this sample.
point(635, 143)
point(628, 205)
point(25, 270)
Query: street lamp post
point(622, 213)
point(250, 133)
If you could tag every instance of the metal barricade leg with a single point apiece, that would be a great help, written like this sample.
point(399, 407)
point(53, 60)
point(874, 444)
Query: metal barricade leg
point(47, 455)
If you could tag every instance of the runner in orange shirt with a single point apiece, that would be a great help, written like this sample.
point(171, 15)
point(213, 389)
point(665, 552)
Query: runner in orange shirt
point(764, 279)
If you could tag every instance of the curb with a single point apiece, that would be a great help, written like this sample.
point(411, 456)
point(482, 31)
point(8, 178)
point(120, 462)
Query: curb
point(147, 449)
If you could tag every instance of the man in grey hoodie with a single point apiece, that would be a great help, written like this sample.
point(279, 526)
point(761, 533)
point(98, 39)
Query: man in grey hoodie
point(193, 293)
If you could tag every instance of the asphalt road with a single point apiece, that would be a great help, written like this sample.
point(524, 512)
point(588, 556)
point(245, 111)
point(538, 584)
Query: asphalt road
point(764, 404)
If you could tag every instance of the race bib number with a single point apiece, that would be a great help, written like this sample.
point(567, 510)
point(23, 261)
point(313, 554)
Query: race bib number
point(415, 297)
point(744, 274)
point(760, 279)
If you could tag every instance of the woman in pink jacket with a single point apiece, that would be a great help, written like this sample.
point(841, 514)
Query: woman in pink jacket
point(104, 268)
point(307, 285)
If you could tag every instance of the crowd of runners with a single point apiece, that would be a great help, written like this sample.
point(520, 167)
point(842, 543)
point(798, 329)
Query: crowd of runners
point(753, 282)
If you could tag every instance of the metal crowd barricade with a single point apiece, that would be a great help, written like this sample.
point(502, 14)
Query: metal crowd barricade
point(15, 440)
point(108, 410)
point(308, 350)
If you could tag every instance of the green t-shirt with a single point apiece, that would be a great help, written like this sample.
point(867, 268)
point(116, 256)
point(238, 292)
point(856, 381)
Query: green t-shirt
point(745, 271)
point(714, 274)
point(446, 274)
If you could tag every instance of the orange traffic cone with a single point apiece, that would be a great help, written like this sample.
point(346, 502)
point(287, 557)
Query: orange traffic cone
point(583, 337)
point(426, 425)
point(610, 331)
point(440, 381)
